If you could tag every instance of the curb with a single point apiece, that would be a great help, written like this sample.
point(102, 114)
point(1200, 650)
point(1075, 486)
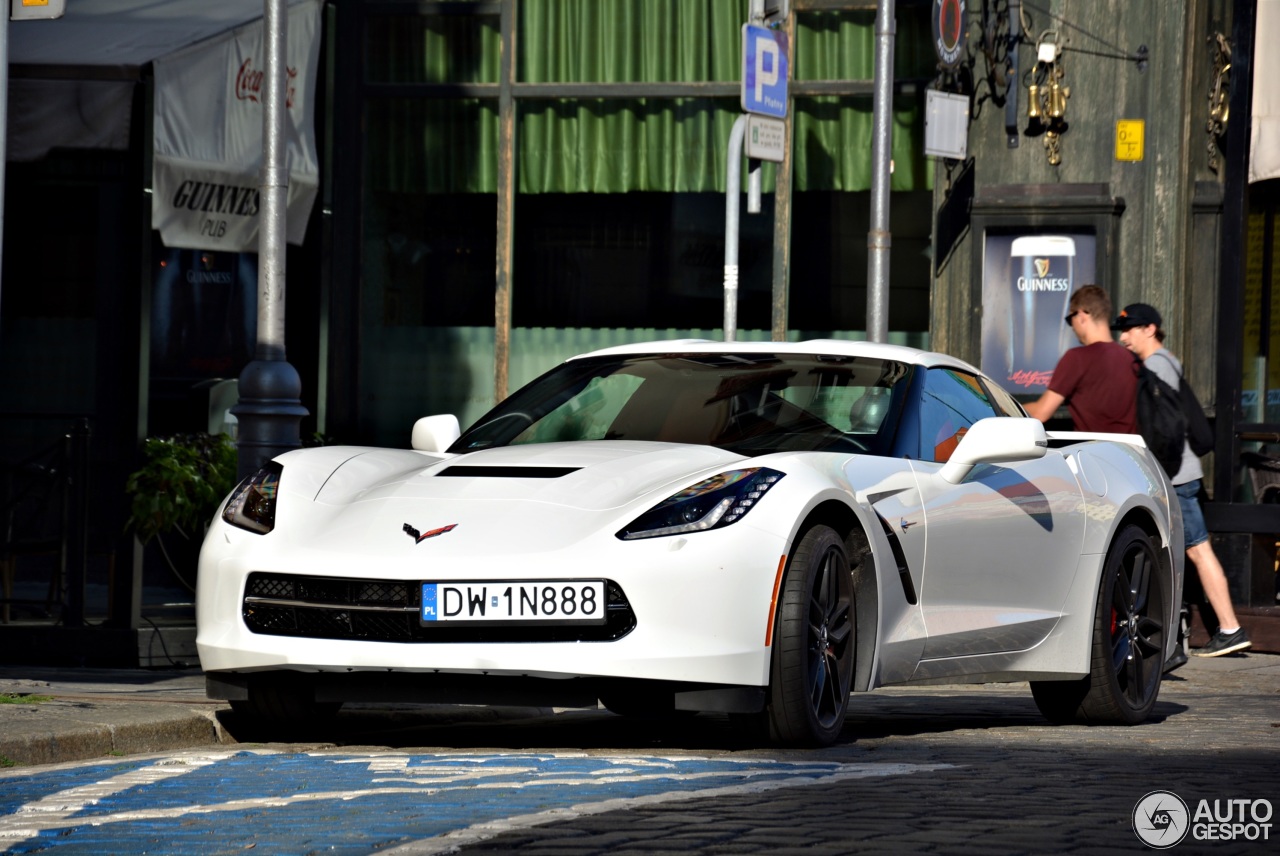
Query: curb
point(64, 729)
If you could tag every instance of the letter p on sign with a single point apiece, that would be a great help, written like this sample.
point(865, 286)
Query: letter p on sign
point(766, 66)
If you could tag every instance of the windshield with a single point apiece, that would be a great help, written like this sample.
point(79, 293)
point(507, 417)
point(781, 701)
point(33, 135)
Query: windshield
point(746, 403)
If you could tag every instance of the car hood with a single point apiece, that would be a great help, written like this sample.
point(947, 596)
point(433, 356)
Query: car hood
point(596, 475)
point(509, 500)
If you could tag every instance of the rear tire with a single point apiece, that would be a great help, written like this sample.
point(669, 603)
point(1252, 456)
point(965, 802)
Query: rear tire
point(813, 646)
point(1128, 642)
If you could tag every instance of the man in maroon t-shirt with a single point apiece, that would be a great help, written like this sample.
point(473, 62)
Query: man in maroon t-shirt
point(1097, 381)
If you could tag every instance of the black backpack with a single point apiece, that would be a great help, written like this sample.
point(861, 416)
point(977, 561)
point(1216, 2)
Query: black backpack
point(1167, 418)
point(1161, 421)
point(1199, 434)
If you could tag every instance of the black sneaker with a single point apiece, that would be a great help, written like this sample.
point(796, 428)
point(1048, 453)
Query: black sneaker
point(1177, 661)
point(1224, 643)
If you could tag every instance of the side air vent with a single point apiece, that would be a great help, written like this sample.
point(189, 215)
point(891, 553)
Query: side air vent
point(507, 472)
point(899, 558)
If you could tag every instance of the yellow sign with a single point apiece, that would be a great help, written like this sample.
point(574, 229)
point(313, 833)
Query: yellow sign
point(1129, 134)
point(35, 10)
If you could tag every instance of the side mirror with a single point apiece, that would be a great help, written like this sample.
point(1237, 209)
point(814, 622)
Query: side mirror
point(996, 440)
point(435, 433)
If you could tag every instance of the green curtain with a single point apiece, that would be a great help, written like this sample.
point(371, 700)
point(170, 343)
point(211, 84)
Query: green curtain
point(613, 146)
point(431, 145)
point(620, 145)
point(618, 41)
point(832, 136)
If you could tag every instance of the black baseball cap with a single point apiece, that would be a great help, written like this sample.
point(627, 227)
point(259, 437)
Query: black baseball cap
point(1136, 315)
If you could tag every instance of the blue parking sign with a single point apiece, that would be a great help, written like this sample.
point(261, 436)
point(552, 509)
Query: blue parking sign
point(764, 72)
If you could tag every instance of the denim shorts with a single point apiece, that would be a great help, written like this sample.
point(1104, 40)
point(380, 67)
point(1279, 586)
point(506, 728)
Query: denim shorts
point(1193, 528)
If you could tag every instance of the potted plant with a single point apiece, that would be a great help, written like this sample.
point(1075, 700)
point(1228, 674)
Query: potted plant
point(178, 488)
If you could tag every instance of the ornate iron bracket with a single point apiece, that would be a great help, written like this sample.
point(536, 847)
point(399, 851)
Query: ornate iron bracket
point(1219, 93)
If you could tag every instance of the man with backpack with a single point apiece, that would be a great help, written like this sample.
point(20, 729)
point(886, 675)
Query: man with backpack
point(1140, 332)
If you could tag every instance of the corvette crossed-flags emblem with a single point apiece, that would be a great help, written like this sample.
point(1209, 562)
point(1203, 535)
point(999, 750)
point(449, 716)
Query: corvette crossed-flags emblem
point(419, 537)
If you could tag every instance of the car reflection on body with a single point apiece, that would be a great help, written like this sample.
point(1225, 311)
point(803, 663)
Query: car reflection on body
point(756, 529)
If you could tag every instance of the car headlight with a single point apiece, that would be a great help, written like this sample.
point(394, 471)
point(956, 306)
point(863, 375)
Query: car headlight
point(252, 504)
point(710, 504)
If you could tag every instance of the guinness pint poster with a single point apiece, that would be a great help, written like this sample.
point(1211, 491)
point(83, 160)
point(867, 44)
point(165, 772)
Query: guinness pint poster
point(1027, 281)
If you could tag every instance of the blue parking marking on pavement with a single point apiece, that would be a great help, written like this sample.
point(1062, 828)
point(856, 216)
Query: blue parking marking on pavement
point(346, 803)
point(17, 790)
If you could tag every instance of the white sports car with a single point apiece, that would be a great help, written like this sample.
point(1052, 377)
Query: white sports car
point(749, 528)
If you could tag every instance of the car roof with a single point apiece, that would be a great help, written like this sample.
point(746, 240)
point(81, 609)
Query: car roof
point(829, 347)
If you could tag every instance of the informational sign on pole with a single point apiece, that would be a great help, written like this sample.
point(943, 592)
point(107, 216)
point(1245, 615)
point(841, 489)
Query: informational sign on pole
point(946, 125)
point(764, 71)
point(766, 138)
point(764, 94)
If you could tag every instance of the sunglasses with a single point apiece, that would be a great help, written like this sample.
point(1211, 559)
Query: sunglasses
point(1070, 316)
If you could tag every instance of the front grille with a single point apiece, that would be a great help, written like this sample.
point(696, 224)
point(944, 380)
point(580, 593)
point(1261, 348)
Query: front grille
point(387, 611)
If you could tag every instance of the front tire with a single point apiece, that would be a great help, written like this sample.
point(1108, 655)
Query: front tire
point(1128, 643)
point(813, 646)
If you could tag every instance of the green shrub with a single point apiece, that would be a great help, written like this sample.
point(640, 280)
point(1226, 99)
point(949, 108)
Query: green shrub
point(180, 484)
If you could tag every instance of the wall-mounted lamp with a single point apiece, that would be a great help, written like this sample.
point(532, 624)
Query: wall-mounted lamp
point(1047, 97)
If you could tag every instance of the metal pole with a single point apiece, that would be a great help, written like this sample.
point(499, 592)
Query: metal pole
point(275, 188)
point(782, 213)
point(755, 179)
point(4, 118)
point(270, 405)
point(1232, 250)
point(878, 238)
point(506, 192)
point(732, 189)
point(76, 557)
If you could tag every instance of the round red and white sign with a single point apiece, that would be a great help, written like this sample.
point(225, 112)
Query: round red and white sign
point(949, 31)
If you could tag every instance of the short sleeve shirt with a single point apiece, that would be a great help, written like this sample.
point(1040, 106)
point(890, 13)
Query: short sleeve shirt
point(1100, 386)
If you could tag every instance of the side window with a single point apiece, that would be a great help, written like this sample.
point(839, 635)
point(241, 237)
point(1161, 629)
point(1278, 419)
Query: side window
point(952, 402)
point(1005, 403)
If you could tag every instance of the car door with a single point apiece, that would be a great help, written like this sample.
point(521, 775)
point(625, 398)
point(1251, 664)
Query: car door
point(1002, 546)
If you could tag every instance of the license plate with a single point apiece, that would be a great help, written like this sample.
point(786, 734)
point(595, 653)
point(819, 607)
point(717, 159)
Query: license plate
point(528, 602)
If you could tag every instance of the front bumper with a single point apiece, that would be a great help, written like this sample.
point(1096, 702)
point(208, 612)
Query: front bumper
point(702, 608)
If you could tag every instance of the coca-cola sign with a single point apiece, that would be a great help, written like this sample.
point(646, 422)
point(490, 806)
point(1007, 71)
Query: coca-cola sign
point(249, 83)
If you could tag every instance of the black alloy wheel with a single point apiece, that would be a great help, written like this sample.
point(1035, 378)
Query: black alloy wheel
point(813, 645)
point(1128, 642)
point(1136, 635)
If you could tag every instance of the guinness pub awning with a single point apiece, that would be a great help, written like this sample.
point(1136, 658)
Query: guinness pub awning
point(71, 86)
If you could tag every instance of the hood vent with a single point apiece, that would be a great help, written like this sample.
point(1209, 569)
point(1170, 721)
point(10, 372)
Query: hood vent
point(476, 472)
